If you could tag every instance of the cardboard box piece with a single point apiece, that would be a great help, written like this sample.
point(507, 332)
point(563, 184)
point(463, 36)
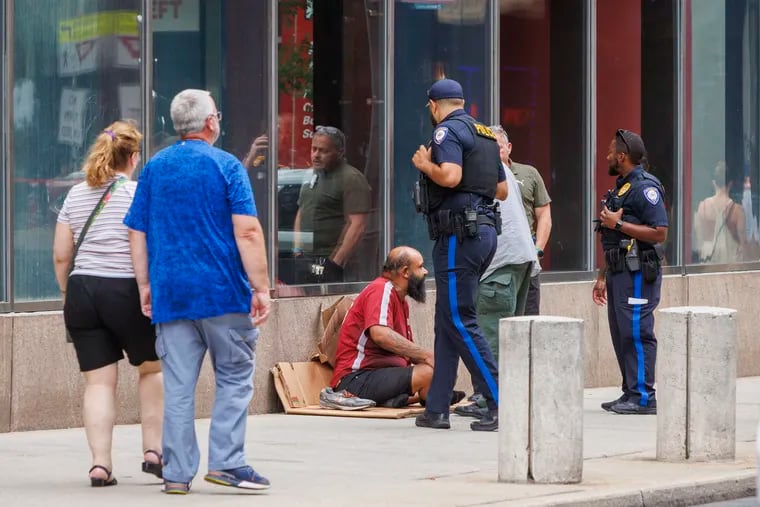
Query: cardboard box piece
point(298, 386)
point(332, 320)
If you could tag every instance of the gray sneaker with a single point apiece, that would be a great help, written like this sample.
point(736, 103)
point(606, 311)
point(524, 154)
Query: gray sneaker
point(342, 400)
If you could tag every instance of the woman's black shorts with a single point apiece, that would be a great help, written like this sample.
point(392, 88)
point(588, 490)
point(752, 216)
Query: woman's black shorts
point(103, 317)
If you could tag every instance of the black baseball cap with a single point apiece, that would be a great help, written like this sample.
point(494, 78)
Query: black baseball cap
point(445, 89)
point(633, 143)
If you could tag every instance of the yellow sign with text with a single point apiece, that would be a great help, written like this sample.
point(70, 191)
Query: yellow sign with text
point(96, 25)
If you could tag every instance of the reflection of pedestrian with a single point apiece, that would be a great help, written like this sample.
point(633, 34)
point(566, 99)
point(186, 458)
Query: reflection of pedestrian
point(333, 205)
point(719, 223)
point(101, 300)
point(199, 255)
point(463, 170)
point(633, 225)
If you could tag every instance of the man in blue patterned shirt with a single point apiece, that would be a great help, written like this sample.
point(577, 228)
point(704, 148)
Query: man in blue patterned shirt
point(200, 261)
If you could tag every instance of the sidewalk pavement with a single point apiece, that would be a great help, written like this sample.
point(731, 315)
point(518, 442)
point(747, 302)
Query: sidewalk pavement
point(336, 461)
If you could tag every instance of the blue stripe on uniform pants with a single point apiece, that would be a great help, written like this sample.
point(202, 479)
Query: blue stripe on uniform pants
point(454, 307)
point(636, 322)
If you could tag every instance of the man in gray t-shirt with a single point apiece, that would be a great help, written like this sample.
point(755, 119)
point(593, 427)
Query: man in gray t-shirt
point(503, 288)
point(536, 202)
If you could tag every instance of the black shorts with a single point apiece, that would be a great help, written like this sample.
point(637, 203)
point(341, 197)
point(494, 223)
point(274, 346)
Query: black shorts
point(379, 385)
point(103, 317)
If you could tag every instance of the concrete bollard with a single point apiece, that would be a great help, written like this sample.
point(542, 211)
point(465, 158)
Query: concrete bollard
point(696, 384)
point(541, 399)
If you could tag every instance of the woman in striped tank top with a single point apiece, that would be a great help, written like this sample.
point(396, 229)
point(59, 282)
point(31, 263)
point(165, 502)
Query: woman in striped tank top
point(101, 301)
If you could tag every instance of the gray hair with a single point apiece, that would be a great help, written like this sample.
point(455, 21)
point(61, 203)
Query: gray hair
point(189, 110)
point(334, 134)
point(499, 130)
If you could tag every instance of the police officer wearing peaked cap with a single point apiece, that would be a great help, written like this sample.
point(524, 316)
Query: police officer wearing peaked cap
point(633, 224)
point(463, 171)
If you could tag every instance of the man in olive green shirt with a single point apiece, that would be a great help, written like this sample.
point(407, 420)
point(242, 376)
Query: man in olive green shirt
point(333, 205)
point(536, 202)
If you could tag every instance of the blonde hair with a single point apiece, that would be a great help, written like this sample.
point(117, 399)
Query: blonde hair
point(110, 152)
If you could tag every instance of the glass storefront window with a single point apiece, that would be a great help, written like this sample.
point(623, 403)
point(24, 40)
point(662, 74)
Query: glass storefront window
point(542, 110)
point(330, 117)
point(220, 46)
point(75, 70)
point(636, 84)
point(433, 40)
point(722, 131)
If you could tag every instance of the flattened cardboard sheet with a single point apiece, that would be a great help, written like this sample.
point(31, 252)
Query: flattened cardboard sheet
point(298, 386)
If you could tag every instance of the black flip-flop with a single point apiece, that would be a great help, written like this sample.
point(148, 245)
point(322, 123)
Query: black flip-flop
point(97, 482)
point(156, 469)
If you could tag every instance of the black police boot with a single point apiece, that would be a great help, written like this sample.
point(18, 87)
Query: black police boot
point(457, 396)
point(432, 420)
point(607, 405)
point(489, 422)
point(471, 410)
point(631, 407)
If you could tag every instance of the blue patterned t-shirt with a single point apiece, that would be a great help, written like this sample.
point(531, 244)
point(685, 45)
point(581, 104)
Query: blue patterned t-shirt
point(185, 199)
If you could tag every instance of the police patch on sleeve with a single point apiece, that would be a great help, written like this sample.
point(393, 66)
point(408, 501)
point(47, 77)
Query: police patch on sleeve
point(440, 134)
point(652, 195)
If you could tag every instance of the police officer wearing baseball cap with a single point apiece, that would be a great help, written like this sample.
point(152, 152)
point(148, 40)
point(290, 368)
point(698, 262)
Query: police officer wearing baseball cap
point(633, 223)
point(462, 170)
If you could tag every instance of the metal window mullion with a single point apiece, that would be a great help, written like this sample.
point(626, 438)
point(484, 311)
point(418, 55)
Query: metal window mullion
point(146, 75)
point(495, 63)
point(590, 130)
point(386, 157)
point(271, 160)
point(678, 191)
point(6, 163)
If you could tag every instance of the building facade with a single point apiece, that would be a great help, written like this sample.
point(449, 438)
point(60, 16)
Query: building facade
point(559, 75)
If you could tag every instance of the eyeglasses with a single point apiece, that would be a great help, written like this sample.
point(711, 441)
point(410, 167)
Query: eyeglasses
point(218, 115)
point(621, 134)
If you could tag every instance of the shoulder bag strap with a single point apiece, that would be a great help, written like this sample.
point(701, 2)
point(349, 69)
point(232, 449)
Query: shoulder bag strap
point(95, 212)
point(725, 215)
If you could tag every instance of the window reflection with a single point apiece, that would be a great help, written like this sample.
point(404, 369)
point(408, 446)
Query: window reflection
point(635, 91)
point(208, 45)
point(542, 110)
point(329, 123)
point(432, 41)
point(722, 159)
point(75, 71)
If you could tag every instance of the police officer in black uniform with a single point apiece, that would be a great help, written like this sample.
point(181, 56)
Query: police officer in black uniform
point(633, 224)
point(462, 171)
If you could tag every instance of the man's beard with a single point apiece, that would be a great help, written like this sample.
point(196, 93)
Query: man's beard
point(433, 122)
point(612, 170)
point(416, 288)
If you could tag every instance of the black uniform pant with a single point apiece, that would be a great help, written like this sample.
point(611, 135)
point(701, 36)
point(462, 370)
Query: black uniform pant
point(631, 302)
point(458, 268)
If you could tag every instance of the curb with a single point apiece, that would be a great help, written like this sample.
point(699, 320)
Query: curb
point(741, 485)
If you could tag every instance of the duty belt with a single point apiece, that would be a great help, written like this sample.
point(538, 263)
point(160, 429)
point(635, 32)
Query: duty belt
point(443, 223)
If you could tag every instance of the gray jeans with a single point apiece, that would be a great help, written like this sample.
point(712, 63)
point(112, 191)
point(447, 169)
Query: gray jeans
point(181, 345)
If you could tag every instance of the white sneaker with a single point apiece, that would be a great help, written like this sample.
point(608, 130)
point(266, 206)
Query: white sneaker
point(342, 400)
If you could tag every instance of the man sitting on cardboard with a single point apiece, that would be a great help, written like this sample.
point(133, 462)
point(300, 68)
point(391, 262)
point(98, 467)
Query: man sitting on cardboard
point(376, 356)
